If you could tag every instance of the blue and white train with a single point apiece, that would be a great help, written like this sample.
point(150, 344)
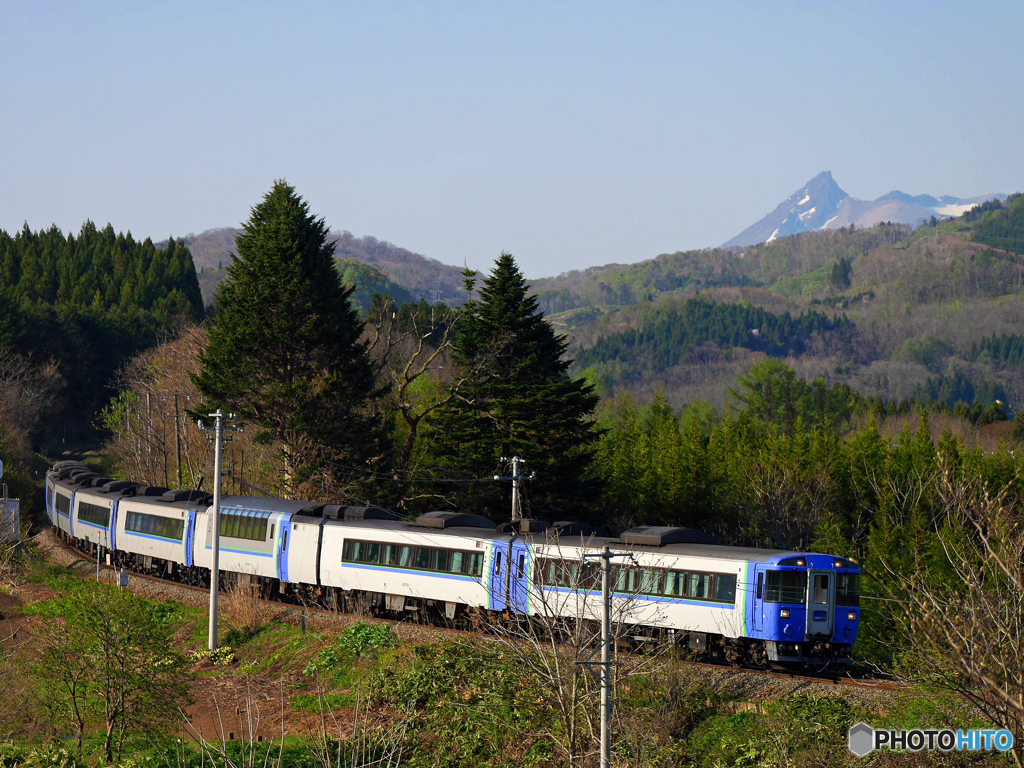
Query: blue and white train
point(673, 585)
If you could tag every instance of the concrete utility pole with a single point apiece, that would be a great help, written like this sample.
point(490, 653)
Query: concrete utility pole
point(218, 436)
point(605, 675)
point(517, 513)
point(606, 657)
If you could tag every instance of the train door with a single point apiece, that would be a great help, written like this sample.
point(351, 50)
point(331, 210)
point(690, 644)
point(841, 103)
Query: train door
point(820, 602)
point(112, 526)
point(498, 571)
point(757, 599)
point(518, 577)
point(282, 549)
point(190, 536)
point(49, 501)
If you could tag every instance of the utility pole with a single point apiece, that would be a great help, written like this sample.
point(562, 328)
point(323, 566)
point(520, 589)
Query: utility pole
point(218, 436)
point(517, 513)
point(177, 430)
point(605, 675)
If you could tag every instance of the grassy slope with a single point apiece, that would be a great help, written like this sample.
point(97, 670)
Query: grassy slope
point(469, 702)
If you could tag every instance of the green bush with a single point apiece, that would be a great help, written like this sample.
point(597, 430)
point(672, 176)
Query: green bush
point(354, 642)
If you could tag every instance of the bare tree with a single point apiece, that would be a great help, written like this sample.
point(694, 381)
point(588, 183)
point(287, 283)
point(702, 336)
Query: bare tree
point(26, 390)
point(152, 437)
point(966, 632)
point(789, 504)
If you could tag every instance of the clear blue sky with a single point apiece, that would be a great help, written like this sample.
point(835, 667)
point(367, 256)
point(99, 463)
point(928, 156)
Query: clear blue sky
point(569, 133)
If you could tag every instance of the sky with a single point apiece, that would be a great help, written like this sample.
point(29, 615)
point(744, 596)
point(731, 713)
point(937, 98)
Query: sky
point(571, 134)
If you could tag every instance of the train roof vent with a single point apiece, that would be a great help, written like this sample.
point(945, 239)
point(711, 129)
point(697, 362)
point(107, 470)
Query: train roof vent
point(150, 490)
point(185, 494)
point(442, 519)
point(659, 536)
point(118, 486)
point(524, 525)
point(82, 477)
point(67, 464)
point(65, 473)
point(342, 512)
point(570, 528)
point(98, 481)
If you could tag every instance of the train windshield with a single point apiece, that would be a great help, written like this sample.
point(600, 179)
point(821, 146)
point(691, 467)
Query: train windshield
point(786, 587)
point(847, 589)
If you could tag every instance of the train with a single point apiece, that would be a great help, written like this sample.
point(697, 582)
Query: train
point(742, 605)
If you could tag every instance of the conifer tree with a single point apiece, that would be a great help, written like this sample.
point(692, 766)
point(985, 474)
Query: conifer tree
point(519, 401)
point(285, 352)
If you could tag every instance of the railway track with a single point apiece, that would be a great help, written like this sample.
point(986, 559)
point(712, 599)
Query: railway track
point(796, 676)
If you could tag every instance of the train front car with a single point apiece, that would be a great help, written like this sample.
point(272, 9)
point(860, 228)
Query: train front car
point(805, 608)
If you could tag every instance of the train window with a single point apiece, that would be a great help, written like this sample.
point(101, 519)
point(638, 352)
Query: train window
point(271, 530)
point(627, 580)
point(371, 553)
point(93, 513)
point(390, 556)
point(442, 559)
point(650, 581)
point(353, 551)
point(423, 557)
point(62, 504)
point(847, 592)
point(476, 563)
point(590, 577)
point(760, 585)
point(674, 581)
point(570, 576)
point(405, 557)
point(547, 572)
point(725, 589)
point(697, 587)
point(153, 525)
point(458, 562)
point(519, 567)
point(821, 589)
point(786, 587)
point(497, 563)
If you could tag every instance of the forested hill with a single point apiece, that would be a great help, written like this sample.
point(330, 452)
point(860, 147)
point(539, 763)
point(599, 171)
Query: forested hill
point(402, 269)
point(765, 265)
point(1002, 226)
point(896, 313)
point(89, 302)
point(664, 339)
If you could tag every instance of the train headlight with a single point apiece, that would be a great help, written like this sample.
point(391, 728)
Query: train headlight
point(784, 613)
point(852, 616)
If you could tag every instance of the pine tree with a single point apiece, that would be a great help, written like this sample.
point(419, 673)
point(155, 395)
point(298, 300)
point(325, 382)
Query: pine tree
point(285, 351)
point(518, 400)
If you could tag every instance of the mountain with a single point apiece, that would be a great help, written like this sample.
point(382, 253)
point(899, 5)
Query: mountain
point(423, 277)
point(822, 204)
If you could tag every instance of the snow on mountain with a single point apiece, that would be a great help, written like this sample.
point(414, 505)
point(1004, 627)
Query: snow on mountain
point(821, 204)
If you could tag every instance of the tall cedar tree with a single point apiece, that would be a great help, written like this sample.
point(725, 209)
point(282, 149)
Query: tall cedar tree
point(519, 401)
point(285, 350)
